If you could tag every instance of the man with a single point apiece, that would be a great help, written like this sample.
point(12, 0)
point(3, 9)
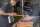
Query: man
point(4, 15)
point(36, 13)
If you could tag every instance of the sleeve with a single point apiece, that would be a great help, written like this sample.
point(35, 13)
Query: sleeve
point(7, 8)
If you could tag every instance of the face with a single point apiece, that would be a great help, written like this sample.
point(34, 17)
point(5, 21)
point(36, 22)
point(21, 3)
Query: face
point(13, 2)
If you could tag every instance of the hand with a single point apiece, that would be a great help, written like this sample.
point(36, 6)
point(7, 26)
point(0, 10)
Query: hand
point(13, 14)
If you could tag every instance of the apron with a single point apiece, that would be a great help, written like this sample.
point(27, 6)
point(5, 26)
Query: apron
point(4, 21)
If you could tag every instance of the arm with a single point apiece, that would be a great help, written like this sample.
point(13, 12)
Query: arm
point(10, 14)
point(4, 13)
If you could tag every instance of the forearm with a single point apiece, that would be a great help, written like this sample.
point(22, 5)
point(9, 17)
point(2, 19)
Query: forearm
point(10, 14)
point(4, 13)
